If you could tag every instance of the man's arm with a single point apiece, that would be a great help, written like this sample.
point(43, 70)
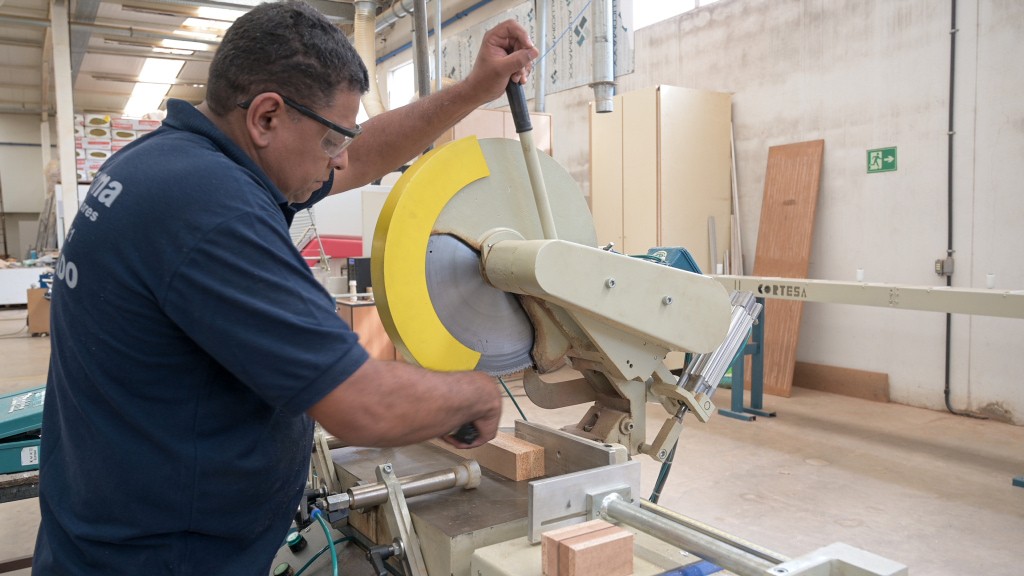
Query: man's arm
point(392, 138)
point(387, 404)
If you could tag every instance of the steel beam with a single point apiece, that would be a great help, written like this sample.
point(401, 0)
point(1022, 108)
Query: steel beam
point(1004, 303)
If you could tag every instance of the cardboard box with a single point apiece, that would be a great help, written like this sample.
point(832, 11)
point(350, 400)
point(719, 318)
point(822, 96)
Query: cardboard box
point(363, 318)
point(120, 135)
point(101, 120)
point(79, 119)
point(95, 144)
point(100, 155)
point(96, 132)
point(38, 311)
point(79, 131)
point(146, 124)
point(122, 124)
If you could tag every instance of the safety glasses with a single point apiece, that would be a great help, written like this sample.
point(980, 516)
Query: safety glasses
point(337, 137)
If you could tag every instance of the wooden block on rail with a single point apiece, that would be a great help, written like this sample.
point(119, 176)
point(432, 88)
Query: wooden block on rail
point(550, 540)
point(608, 552)
point(506, 456)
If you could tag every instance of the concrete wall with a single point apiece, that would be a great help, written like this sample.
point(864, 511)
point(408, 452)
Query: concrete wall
point(21, 176)
point(865, 74)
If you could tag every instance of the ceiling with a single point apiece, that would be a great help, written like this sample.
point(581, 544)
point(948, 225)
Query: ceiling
point(110, 40)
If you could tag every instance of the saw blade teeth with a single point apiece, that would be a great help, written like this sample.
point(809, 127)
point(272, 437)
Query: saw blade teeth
point(508, 370)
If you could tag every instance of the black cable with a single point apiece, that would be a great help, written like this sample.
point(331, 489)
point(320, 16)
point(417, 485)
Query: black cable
point(666, 467)
point(513, 398)
point(949, 211)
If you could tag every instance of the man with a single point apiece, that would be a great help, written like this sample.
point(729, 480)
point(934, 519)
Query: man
point(191, 344)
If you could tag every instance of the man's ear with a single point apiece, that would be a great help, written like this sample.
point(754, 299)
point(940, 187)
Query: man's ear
point(263, 117)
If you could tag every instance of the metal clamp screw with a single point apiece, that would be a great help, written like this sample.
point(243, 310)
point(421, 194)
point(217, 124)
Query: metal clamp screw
point(610, 282)
point(666, 300)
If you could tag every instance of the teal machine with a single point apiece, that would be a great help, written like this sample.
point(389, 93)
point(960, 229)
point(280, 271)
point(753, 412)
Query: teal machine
point(21, 421)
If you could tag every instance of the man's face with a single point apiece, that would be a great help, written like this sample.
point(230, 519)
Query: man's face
point(302, 164)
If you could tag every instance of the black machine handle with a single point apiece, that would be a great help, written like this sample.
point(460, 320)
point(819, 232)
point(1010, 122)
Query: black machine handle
point(467, 433)
point(517, 101)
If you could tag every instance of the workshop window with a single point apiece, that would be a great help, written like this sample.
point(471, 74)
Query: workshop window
point(647, 12)
point(401, 86)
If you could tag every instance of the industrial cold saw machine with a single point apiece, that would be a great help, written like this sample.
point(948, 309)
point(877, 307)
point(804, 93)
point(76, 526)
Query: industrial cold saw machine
point(485, 257)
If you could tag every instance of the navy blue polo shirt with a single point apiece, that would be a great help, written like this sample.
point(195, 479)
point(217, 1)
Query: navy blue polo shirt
point(189, 338)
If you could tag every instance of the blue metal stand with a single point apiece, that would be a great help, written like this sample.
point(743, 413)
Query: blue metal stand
point(755, 349)
point(1019, 481)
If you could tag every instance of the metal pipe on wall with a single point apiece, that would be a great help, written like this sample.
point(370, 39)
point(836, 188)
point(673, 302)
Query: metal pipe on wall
point(421, 42)
point(438, 56)
point(604, 63)
point(400, 9)
point(365, 43)
point(542, 10)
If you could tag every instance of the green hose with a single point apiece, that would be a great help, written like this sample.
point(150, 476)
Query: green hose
point(509, 392)
point(319, 516)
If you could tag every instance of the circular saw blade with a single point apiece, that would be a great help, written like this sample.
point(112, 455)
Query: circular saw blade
point(427, 301)
point(477, 314)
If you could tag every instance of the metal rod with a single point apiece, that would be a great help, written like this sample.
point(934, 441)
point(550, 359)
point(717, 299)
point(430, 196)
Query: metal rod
point(715, 533)
point(466, 475)
point(723, 554)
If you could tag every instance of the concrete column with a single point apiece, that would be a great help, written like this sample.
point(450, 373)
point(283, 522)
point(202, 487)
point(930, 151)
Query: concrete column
point(67, 202)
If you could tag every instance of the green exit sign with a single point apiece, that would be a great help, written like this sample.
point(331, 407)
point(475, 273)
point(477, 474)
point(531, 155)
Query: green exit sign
point(882, 160)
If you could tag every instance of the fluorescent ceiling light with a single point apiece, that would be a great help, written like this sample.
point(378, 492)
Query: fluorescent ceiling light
point(160, 70)
point(206, 25)
point(223, 14)
point(145, 98)
point(198, 35)
point(184, 45)
point(154, 82)
point(174, 51)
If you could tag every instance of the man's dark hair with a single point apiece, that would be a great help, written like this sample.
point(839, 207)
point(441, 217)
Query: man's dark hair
point(286, 47)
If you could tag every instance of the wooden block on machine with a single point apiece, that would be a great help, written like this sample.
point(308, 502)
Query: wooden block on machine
point(784, 249)
point(550, 540)
point(608, 552)
point(506, 456)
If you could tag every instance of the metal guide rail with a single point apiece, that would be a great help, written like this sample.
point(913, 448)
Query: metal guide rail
point(982, 302)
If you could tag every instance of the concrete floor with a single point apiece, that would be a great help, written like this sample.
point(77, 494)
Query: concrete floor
point(928, 489)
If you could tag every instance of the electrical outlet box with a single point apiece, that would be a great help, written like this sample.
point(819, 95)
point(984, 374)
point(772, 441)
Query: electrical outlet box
point(944, 266)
